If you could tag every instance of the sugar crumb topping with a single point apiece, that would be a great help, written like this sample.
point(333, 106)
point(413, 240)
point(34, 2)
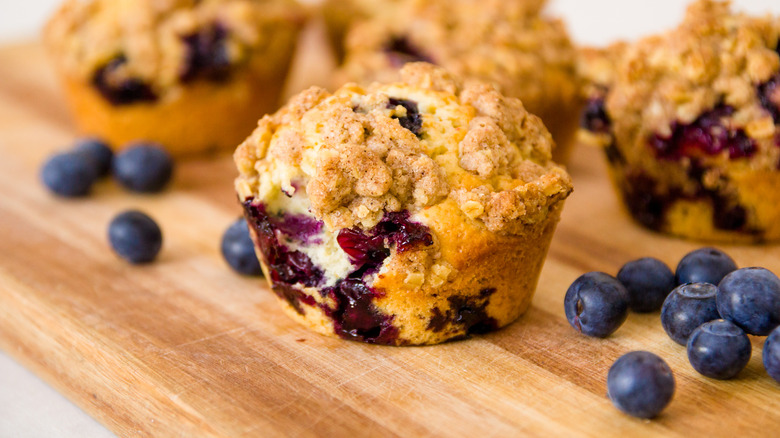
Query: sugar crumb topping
point(84, 35)
point(355, 154)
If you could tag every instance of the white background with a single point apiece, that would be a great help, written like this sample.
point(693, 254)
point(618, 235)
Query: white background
point(30, 408)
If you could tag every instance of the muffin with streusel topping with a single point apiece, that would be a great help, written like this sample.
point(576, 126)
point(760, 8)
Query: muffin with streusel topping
point(690, 123)
point(193, 75)
point(405, 213)
point(506, 42)
point(340, 15)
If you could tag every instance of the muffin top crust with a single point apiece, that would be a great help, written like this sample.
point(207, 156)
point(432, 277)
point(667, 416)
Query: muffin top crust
point(505, 42)
point(158, 44)
point(717, 74)
point(361, 152)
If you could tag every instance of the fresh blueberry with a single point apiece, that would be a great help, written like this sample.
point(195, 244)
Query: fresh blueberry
point(648, 282)
point(688, 307)
point(719, 349)
point(771, 354)
point(596, 304)
point(143, 167)
point(640, 384)
point(705, 265)
point(68, 174)
point(750, 298)
point(239, 250)
point(97, 153)
point(135, 237)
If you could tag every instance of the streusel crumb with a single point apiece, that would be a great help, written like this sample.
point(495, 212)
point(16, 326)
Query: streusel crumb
point(151, 37)
point(361, 152)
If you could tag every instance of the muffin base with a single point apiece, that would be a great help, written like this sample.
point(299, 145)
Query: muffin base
point(196, 118)
point(476, 295)
point(696, 217)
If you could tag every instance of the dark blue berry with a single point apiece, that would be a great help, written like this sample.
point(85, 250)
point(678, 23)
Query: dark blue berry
point(354, 314)
point(239, 250)
point(206, 55)
point(143, 167)
point(68, 174)
point(114, 85)
point(688, 307)
point(412, 120)
point(719, 349)
point(97, 153)
point(707, 135)
point(373, 248)
point(640, 384)
point(594, 117)
point(648, 282)
point(750, 298)
point(705, 265)
point(771, 354)
point(400, 51)
point(769, 96)
point(135, 237)
point(596, 304)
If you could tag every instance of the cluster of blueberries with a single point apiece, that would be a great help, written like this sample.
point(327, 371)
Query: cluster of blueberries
point(707, 305)
point(142, 167)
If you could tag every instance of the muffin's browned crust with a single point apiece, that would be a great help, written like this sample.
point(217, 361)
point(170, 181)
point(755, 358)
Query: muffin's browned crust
point(689, 120)
point(505, 42)
point(422, 194)
point(180, 72)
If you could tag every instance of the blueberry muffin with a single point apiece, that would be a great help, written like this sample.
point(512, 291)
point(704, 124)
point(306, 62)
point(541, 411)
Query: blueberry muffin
point(690, 124)
point(339, 15)
point(506, 42)
point(192, 75)
point(402, 214)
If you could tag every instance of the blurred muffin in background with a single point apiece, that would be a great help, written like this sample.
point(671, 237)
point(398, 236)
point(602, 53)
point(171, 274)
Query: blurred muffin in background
point(193, 75)
point(339, 15)
point(506, 42)
point(690, 124)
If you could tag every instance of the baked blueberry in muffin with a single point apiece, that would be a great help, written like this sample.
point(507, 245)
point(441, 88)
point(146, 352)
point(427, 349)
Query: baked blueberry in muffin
point(689, 123)
point(404, 213)
point(340, 15)
point(192, 75)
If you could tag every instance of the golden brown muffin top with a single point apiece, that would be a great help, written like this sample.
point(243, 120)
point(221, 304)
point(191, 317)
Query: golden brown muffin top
point(597, 66)
point(360, 152)
point(502, 41)
point(158, 41)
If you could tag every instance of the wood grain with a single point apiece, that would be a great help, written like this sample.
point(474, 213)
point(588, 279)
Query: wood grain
point(184, 347)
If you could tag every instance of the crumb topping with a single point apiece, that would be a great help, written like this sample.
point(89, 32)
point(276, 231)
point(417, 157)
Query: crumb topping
point(596, 66)
point(356, 159)
point(160, 41)
point(500, 41)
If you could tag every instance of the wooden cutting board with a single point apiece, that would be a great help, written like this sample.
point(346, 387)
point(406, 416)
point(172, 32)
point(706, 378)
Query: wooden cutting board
point(184, 347)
